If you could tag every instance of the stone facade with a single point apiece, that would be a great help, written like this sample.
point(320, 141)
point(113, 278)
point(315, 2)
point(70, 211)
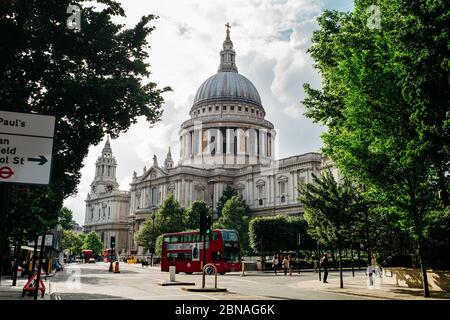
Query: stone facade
point(107, 208)
point(226, 141)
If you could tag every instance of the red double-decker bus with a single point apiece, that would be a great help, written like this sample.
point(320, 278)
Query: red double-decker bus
point(184, 250)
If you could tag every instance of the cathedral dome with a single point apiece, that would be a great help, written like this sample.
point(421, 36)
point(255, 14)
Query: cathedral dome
point(227, 86)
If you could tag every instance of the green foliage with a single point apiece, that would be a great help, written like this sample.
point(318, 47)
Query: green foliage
point(92, 80)
point(384, 99)
point(228, 193)
point(147, 234)
point(92, 242)
point(158, 247)
point(276, 233)
point(65, 218)
point(197, 208)
point(331, 211)
point(234, 216)
point(170, 216)
point(72, 242)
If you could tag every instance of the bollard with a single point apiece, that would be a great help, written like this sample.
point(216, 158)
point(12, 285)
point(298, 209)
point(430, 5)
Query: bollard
point(243, 269)
point(116, 267)
point(172, 272)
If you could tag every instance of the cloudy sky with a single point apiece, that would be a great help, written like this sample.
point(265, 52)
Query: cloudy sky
point(270, 38)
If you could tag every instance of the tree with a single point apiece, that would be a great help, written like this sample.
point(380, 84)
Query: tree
point(146, 236)
point(234, 216)
point(92, 242)
point(91, 80)
point(228, 193)
point(72, 242)
point(170, 216)
point(330, 212)
point(65, 218)
point(385, 100)
point(271, 234)
point(197, 208)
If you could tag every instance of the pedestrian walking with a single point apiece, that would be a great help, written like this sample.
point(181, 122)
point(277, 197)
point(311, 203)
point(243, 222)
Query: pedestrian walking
point(275, 263)
point(290, 265)
point(285, 264)
point(324, 265)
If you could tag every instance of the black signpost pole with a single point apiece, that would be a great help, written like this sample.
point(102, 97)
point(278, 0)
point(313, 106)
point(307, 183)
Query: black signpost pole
point(17, 260)
point(33, 259)
point(204, 260)
point(38, 278)
point(4, 189)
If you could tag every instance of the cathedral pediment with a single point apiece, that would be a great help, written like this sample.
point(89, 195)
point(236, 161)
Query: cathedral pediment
point(153, 173)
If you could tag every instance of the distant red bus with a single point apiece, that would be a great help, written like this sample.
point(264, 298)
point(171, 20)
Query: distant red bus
point(184, 250)
point(87, 254)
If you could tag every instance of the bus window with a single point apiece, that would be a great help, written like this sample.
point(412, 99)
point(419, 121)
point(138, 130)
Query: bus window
point(172, 256)
point(183, 256)
point(215, 236)
point(231, 255)
point(175, 239)
point(230, 236)
point(166, 239)
point(188, 238)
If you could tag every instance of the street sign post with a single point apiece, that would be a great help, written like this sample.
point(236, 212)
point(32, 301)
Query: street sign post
point(48, 242)
point(26, 146)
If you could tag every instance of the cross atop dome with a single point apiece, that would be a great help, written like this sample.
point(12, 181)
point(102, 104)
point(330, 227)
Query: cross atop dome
point(227, 54)
point(228, 29)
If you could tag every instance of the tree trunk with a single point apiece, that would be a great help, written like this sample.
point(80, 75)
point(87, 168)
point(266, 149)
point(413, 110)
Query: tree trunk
point(353, 265)
point(318, 262)
point(426, 291)
point(340, 268)
point(333, 257)
point(33, 263)
point(17, 261)
point(359, 259)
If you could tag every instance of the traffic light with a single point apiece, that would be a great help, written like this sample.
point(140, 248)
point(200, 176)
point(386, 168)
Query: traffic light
point(205, 224)
point(207, 227)
point(113, 242)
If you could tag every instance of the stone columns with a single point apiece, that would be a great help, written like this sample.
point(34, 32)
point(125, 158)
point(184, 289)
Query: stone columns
point(191, 191)
point(295, 174)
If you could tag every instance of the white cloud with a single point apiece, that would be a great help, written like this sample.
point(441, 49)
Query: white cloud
point(270, 38)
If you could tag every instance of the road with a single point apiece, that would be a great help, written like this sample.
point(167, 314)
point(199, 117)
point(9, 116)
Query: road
point(93, 281)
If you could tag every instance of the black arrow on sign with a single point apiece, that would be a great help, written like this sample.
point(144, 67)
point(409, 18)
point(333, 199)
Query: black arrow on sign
point(42, 160)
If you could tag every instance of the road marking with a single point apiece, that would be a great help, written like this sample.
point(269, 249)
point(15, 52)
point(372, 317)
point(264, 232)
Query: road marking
point(204, 295)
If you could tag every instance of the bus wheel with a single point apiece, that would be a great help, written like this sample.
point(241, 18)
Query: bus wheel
point(222, 273)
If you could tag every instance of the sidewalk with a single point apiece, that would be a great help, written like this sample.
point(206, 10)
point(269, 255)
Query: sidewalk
point(359, 286)
point(8, 292)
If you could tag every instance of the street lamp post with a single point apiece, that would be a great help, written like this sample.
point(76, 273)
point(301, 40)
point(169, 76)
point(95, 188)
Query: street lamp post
point(212, 182)
point(153, 232)
point(318, 261)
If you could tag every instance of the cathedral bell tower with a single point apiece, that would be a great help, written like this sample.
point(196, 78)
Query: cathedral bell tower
point(105, 172)
point(168, 163)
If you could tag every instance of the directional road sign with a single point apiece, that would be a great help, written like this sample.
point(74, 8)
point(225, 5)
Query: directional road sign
point(26, 146)
point(48, 242)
